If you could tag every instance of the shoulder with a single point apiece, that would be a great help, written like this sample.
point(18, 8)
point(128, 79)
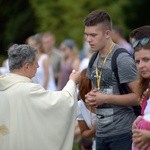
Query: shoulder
point(57, 53)
point(125, 59)
point(43, 57)
point(33, 86)
point(121, 55)
point(80, 103)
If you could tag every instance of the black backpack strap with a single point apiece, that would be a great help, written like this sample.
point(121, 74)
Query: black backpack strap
point(90, 65)
point(92, 59)
point(114, 61)
point(123, 88)
point(91, 62)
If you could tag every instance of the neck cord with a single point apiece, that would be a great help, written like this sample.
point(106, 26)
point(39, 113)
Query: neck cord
point(99, 73)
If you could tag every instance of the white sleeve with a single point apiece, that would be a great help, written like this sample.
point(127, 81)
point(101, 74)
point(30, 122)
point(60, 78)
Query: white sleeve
point(79, 114)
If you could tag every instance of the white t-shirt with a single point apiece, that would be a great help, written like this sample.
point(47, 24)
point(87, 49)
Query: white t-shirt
point(87, 116)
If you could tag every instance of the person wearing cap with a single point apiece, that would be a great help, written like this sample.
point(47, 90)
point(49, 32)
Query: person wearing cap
point(32, 118)
point(141, 126)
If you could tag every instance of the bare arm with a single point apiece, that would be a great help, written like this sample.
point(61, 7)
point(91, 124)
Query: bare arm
point(46, 73)
point(97, 98)
point(76, 64)
point(85, 131)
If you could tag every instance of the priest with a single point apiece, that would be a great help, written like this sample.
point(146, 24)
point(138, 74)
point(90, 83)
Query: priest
point(32, 118)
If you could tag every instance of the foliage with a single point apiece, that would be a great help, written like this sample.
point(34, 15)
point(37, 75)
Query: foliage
point(62, 17)
point(18, 22)
point(138, 14)
point(20, 19)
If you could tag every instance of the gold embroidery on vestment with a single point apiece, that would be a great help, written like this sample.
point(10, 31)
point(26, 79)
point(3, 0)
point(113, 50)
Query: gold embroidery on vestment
point(3, 129)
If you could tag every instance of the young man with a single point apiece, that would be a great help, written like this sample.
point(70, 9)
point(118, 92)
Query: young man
point(114, 112)
point(32, 118)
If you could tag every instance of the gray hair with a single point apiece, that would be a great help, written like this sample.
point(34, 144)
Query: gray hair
point(18, 55)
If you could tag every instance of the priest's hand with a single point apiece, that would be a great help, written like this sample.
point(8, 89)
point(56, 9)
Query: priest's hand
point(75, 75)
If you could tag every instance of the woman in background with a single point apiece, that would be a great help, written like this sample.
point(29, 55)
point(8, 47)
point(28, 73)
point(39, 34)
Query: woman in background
point(69, 62)
point(44, 74)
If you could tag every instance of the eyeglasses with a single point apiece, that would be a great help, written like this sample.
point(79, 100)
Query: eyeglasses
point(142, 42)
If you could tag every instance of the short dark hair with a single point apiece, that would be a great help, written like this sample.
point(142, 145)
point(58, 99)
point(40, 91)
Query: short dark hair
point(97, 17)
point(140, 33)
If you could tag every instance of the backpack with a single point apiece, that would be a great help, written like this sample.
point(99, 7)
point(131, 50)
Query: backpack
point(123, 87)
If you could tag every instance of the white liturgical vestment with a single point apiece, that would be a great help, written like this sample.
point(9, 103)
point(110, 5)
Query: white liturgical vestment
point(32, 118)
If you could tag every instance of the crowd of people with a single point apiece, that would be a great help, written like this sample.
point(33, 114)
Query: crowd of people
point(52, 97)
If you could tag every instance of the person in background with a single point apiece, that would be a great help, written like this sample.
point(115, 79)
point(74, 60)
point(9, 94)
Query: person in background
point(114, 112)
point(69, 61)
point(139, 32)
point(55, 55)
point(32, 118)
point(45, 73)
point(4, 68)
point(85, 49)
point(141, 126)
point(86, 114)
point(118, 37)
point(85, 61)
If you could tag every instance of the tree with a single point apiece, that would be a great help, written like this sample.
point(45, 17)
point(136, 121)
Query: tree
point(17, 22)
point(64, 17)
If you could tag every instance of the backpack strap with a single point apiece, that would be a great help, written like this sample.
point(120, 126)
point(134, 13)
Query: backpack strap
point(123, 88)
point(92, 59)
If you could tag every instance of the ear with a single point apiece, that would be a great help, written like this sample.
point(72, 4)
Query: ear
point(108, 33)
point(26, 66)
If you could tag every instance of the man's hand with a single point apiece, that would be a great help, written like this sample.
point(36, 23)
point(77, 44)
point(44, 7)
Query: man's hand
point(95, 98)
point(90, 98)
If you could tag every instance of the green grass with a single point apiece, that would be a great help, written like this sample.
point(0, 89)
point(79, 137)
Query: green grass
point(75, 147)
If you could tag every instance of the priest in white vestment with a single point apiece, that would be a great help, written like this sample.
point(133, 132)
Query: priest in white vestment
point(32, 118)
